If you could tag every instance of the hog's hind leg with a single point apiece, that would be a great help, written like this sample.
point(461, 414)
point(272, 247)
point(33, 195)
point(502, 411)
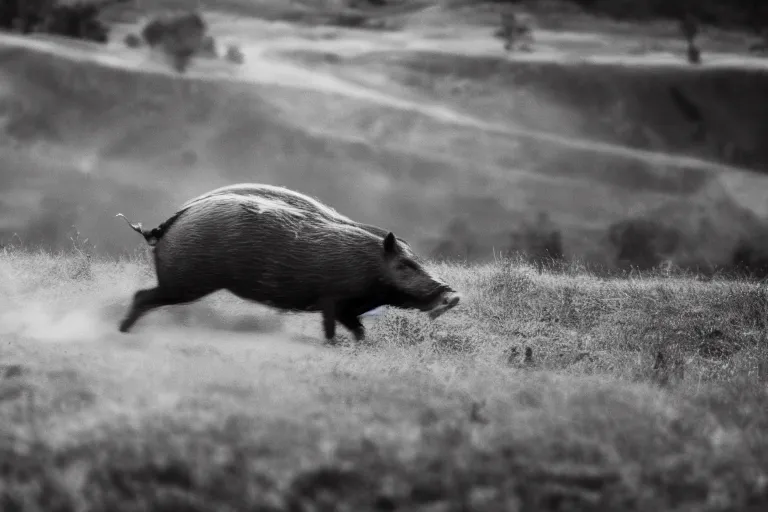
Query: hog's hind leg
point(148, 299)
point(339, 312)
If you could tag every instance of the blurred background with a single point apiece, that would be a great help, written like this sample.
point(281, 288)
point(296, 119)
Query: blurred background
point(609, 148)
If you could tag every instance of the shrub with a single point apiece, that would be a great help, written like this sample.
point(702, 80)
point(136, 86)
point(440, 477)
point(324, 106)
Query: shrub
point(541, 242)
point(153, 32)
point(456, 243)
point(689, 26)
point(515, 31)
point(80, 265)
point(132, 41)
point(761, 45)
point(208, 47)
point(180, 36)
point(79, 20)
point(235, 54)
point(750, 259)
point(643, 243)
point(23, 15)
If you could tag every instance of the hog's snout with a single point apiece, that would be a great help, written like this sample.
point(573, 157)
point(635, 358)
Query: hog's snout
point(448, 300)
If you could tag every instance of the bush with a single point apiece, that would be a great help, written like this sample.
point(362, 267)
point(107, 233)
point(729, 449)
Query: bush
point(515, 31)
point(750, 259)
point(180, 36)
point(208, 47)
point(456, 243)
point(761, 45)
point(132, 41)
point(79, 20)
point(689, 27)
point(153, 32)
point(540, 241)
point(235, 54)
point(22, 15)
point(643, 243)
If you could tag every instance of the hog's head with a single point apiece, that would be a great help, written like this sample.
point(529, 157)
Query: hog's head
point(411, 285)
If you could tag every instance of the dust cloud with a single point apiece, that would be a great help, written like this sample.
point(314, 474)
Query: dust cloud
point(76, 313)
point(49, 323)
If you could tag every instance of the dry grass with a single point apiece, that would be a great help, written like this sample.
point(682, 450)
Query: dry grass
point(560, 390)
point(437, 416)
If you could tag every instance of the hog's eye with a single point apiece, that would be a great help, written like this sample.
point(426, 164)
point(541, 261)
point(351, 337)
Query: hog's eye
point(407, 265)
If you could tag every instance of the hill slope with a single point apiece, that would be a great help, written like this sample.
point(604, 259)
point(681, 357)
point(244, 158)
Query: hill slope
point(92, 131)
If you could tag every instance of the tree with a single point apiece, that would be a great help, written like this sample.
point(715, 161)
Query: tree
point(643, 243)
point(515, 31)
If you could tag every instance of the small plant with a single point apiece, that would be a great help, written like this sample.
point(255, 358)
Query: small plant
point(235, 54)
point(761, 45)
point(540, 241)
point(132, 41)
point(689, 26)
point(643, 243)
point(515, 31)
point(667, 370)
point(80, 267)
point(748, 259)
point(694, 54)
point(208, 47)
point(457, 242)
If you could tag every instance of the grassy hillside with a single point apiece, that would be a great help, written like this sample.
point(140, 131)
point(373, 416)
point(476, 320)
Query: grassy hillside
point(418, 155)
point(713, 113)
point(221, 404)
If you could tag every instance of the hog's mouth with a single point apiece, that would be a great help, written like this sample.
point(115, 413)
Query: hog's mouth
point(444, 302)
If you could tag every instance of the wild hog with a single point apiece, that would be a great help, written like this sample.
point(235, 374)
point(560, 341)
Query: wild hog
point(283, 249)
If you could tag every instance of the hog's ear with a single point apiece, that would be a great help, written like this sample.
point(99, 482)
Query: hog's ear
point(390, 244)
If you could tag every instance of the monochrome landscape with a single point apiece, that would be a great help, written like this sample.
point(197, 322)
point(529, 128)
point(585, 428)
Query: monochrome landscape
point(590, 180)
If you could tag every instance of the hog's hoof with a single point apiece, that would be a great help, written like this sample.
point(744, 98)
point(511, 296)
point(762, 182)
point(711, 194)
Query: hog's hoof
point(340, 340)
point(359, 335)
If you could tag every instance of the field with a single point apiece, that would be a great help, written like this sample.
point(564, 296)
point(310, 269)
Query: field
point(554, 389)
point(222, 406)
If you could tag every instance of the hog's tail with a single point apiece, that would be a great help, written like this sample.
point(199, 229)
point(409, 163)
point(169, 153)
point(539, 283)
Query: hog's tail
point(152, 235)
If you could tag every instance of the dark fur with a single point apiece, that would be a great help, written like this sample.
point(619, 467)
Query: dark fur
point(305, 257)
